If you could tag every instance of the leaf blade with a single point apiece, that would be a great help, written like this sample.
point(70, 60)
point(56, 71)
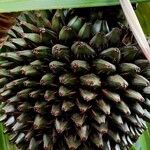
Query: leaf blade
point(16, 5)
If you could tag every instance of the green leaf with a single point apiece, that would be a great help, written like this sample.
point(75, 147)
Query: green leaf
point(22, 5)
point(143, 14)
point(148, 125)
point(4, 142)
point(133, 148)
point(144, 141)
point(4, 146)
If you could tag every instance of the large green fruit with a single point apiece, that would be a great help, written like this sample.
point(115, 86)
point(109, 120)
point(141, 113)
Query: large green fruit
point(73, 79)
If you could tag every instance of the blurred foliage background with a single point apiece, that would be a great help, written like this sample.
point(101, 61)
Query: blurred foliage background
point(143, 13)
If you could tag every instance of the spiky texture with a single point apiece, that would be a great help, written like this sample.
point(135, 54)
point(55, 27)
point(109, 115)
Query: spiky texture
point(73, 80)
